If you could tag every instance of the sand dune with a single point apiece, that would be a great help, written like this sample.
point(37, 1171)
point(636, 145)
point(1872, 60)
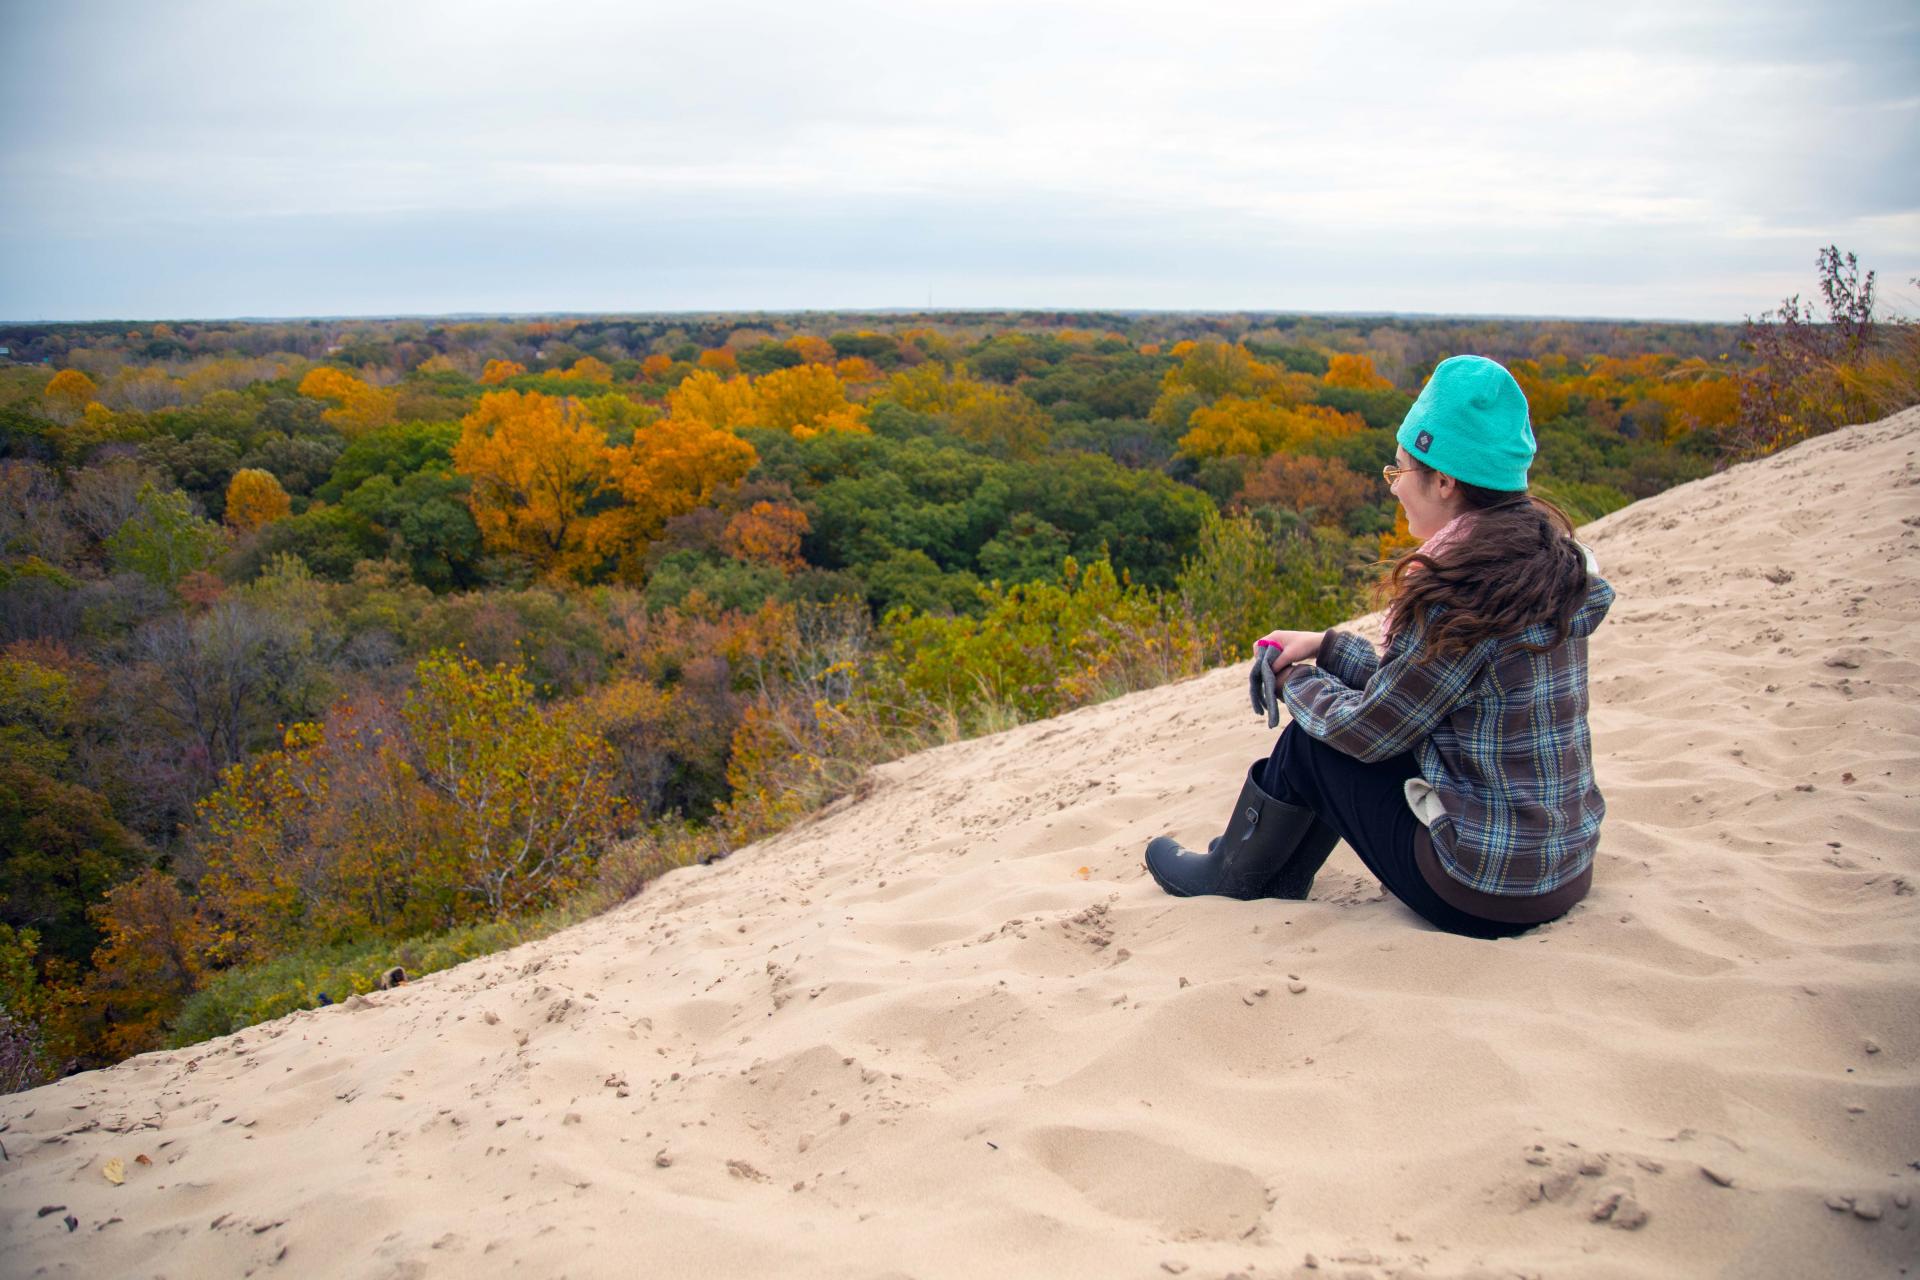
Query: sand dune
point(950, 1028)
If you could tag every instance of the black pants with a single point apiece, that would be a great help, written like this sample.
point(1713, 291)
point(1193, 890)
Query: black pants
point(1366, 804)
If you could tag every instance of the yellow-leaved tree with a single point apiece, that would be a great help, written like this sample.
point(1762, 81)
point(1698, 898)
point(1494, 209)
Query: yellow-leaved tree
point(703, 396)
point(1345, 369)
point(1236, 425)
point(522, 797)
point(999, 417)
point(590, 369)
point(474, 802)
point(67, 395)
point(538, 466)
point(255, 498)
point(803, 401)
point(357, 407)
point(1212, 370)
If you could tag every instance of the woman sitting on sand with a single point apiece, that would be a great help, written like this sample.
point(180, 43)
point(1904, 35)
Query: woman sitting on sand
point(1458, 766)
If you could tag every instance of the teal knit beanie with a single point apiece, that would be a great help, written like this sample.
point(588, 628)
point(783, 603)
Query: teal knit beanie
point(1470, 422)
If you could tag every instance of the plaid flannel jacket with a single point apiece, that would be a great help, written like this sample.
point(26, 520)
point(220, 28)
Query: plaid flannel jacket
point(1500, 733)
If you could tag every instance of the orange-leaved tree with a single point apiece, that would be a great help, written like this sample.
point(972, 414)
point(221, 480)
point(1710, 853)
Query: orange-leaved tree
point(1400, 540)
point(673, 466)
point(152, 958)
point(1324, 490)
point(499, 371)
point(1699, 397)
point(857, 370)
point(767, 533)
point(811, 348)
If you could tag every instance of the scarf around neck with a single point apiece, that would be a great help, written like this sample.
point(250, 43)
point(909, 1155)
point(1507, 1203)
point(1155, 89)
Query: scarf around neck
point(1448, 534)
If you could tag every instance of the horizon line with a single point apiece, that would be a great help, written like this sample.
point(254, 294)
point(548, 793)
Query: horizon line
point(1362, 313)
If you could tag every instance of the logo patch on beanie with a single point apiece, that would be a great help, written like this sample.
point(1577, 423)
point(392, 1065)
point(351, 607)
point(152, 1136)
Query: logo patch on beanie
point(1423, 441)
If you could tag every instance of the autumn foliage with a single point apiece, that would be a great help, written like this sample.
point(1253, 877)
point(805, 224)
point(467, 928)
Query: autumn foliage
point(255, 498)
point(538, 468)
point(357, 407)
point(1346, 369)
point(1813, 373)
point(546, 484)
point(470, 802)
point(590, 369)
point(804, 401)
point(1236, 425)
point(999, 417)
point(153, 955)
point(1324, 490)
point(68, 393)
point(675, 466)
point(767, 533)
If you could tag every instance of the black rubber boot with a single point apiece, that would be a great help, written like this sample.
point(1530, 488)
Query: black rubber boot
point(1294, 879)
point(1247, 859)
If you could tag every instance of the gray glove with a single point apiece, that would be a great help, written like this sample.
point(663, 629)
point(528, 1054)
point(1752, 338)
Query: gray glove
point(1262, 685)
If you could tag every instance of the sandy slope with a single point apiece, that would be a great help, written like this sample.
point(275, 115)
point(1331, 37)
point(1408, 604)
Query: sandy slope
point(951, 1029)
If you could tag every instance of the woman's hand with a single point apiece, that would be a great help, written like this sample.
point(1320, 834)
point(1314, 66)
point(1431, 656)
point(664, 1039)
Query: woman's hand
point(1284, 648)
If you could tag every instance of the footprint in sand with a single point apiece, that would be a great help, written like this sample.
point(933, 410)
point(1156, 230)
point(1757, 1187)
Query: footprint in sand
point(1133, 1177)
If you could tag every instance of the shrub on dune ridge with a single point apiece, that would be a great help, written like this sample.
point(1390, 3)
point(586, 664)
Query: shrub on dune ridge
point(239, 998)
point(1039, 649)
point(1811, 376)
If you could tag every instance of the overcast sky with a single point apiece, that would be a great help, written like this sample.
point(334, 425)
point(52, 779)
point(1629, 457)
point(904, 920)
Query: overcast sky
point(1670, 159)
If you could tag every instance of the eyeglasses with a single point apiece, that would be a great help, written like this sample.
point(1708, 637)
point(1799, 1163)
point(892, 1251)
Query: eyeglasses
point(1390, 474)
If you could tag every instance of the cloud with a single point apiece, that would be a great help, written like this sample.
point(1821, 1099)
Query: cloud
point(1628, 159)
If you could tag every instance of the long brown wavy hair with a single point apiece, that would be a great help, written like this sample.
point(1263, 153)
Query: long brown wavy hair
point(1518, 565)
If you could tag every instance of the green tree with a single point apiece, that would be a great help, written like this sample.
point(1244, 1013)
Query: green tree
point(165, 541)
point(36, 712)
point(60, 851)
point(1246, 579)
